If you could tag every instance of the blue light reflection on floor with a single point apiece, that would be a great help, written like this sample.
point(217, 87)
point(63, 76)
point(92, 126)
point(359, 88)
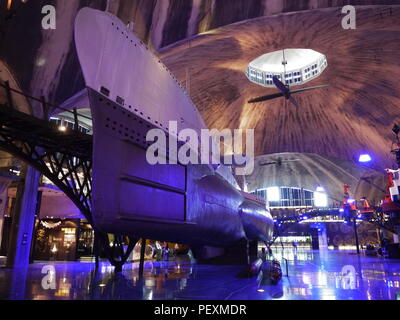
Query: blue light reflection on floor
point(324, 275)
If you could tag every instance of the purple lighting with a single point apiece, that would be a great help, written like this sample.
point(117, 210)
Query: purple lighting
point(364, 158)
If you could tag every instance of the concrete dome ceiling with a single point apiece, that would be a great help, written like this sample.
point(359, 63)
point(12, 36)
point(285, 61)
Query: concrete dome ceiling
point(355, 114)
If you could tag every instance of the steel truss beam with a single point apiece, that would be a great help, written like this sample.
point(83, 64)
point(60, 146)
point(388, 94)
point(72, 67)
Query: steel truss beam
point(65, 158)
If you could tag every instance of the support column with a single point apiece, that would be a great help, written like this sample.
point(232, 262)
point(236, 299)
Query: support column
point(4, 184)
point(23, 218)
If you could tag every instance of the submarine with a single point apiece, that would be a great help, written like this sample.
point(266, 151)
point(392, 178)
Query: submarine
point(130, 91)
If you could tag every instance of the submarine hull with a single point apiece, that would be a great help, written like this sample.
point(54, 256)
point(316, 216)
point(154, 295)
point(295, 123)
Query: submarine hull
point(175, 203)
point(131, 92)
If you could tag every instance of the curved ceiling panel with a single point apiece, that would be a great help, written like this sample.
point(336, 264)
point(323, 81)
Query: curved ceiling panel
point(353, 115)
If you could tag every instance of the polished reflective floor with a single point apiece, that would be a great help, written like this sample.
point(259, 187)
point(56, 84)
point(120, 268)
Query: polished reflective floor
point(317, 275)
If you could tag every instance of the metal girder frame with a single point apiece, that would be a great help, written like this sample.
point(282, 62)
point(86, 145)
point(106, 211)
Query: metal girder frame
point(65, 158)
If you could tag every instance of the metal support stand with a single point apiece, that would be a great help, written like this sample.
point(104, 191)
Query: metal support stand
point(356, 234)
point(19, 249)
point(287, 267)
point(142, 255)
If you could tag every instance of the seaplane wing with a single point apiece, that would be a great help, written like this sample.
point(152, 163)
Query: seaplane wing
point(308, 89)
point(266, 98)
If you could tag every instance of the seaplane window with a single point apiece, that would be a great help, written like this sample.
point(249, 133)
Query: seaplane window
point(120, 101)
point(308, 198)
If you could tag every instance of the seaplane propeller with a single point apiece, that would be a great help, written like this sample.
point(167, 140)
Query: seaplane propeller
point(284, 89)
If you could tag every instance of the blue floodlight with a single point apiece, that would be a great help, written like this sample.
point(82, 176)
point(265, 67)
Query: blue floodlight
point(364, 158)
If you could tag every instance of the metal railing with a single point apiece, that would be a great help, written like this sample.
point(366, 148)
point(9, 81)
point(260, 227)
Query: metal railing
point(47, 107)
